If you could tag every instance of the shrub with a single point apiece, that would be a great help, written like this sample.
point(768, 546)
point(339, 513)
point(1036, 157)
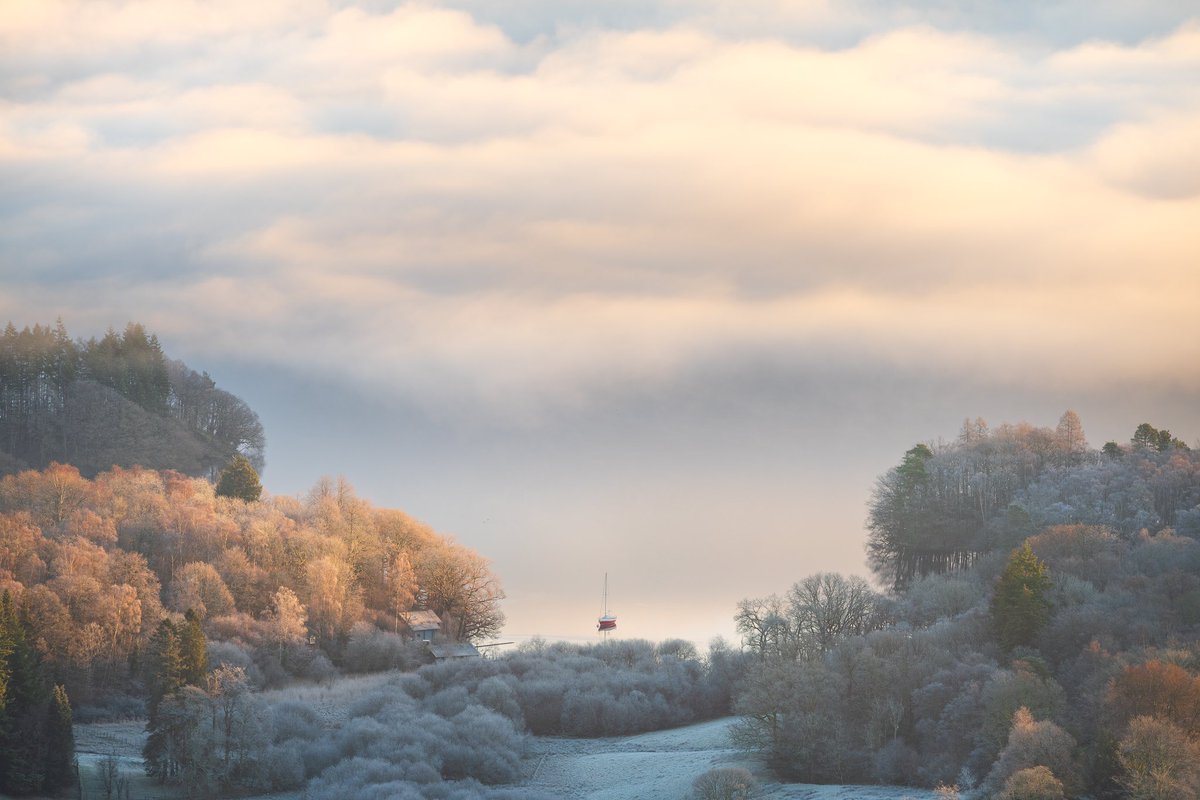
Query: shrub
point(1034, 783)
point(373, 650)
point(724, 783)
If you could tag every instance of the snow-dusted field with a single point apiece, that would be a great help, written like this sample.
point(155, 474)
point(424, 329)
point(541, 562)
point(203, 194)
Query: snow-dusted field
point(123, 741)
point(649, 766)
point(663, 764)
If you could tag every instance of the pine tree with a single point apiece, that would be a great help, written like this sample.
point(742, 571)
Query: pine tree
point(165, 679)
point(239, 480)
point(6, 648)
point(60, 743)
point(193, 649)
point(1020, 606)
point(23, 746)
point(166, 666)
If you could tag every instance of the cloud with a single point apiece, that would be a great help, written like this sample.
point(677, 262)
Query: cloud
point(502, 226)
point(1160, 159)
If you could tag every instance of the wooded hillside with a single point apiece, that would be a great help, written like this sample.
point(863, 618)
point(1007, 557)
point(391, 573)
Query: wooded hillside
point(94, 565)
point(117, 400)
point(1041, 635)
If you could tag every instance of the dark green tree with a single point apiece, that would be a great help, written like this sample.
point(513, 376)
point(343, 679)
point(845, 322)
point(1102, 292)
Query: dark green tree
point(193, 649)
point(7, 645)
point(132, 363)
point(23, 745)
point(1020, 606)
point(1148, 436)
point(239, 480)
point(902, 526)
point(6, 648)
point(165, 679)
point(60, 743)
point(165, 665)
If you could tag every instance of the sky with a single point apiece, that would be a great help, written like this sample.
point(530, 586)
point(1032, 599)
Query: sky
point(648, 289)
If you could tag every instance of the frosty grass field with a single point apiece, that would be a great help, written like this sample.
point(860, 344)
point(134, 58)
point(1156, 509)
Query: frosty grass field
point(649, 766)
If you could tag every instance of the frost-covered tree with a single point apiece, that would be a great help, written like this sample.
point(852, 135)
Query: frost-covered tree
point(827, 607)
point(1069, 437)
point(1035, 743)
point(1159, 761)
point(1032, 783)
point(287, 621)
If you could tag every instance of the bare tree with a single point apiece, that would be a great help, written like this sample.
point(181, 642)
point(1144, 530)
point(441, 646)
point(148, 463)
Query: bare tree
point(458, 585)
point(1069, 438)
point(765, 628)
point(827, 607)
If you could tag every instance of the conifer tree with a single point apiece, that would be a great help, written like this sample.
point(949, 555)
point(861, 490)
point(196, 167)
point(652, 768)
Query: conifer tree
point(165, 679)
point(23, 746)
point(60, 743)
point(193, 649)
point(1020, 606)
point(165, 664)
point(6, 648)
point(239, 480)
point(7, 645)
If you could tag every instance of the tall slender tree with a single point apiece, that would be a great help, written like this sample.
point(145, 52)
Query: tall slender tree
point(1020, 604)
point(23, 746)
point(60, 743)
point(165, 679)
point(1069, 437)
point(193, 649)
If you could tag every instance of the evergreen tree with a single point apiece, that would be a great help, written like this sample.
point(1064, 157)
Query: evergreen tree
point(60, 743)
point(165, 679)
point(193, 650)
point(51, 409)
point(165, 665)
point(23, 746)
point(239, 480)
point(1020, 606)
point(6, 648)
point(1148, 436)
point(7, 645)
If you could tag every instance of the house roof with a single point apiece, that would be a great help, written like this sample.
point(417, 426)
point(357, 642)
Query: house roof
point(457, 650)
point(422, 620)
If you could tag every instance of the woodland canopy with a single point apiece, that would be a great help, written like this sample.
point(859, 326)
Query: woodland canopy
point(1039, 636)
point(117, 400)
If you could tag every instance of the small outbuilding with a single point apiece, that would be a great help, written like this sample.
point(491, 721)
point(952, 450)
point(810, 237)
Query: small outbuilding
point(423, 624)
point(453, 651)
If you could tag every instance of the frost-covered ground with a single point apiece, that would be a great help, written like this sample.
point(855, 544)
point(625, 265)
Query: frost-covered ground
point(663, 764)
point(649, 766)
point(123, 741)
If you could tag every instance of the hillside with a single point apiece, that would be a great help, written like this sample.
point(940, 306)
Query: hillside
point(1040, 636)
point(115, 401)
point(106, 584)
point(1046, 643)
